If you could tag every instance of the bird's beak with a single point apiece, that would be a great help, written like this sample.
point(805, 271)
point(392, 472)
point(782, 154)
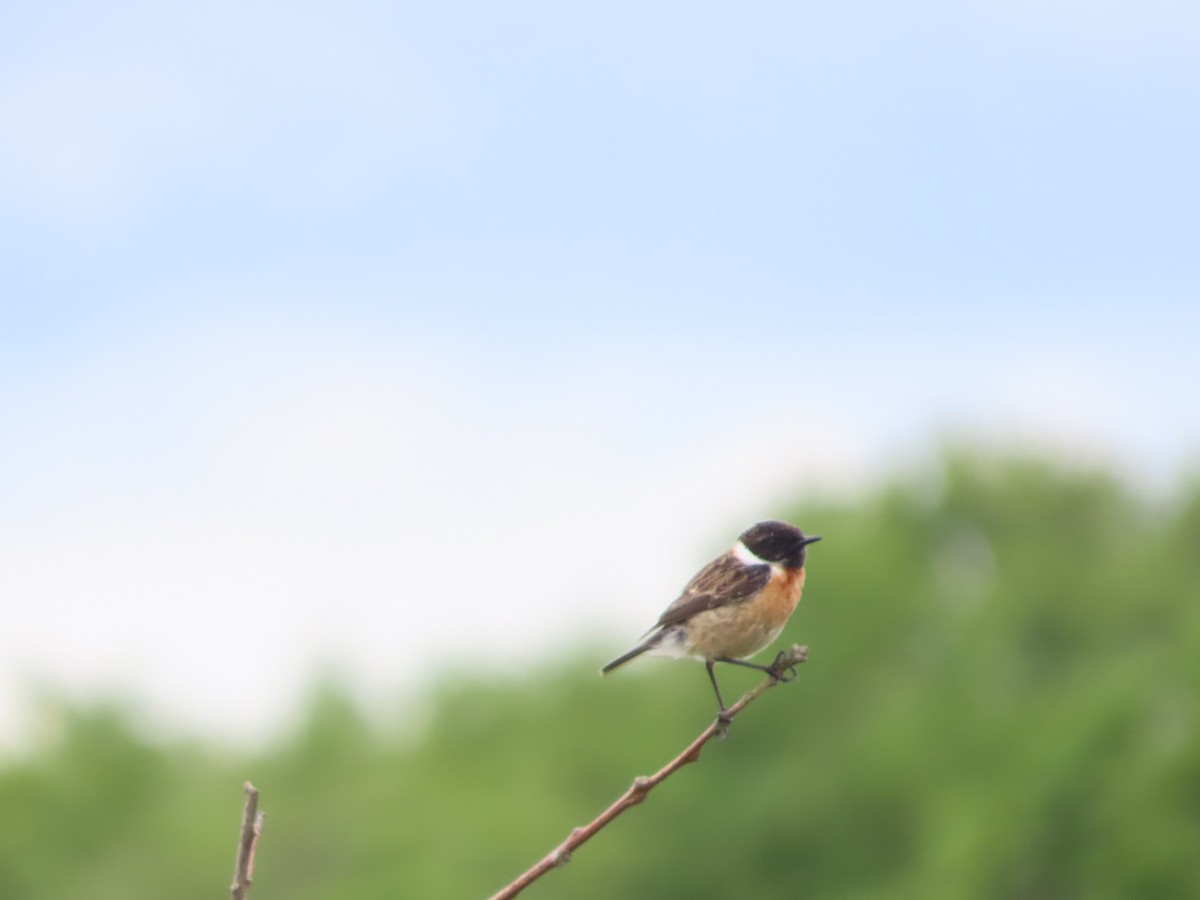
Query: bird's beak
point(811, 539)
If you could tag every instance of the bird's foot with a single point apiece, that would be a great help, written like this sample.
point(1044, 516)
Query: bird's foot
point(784, 667)
point(724, 717)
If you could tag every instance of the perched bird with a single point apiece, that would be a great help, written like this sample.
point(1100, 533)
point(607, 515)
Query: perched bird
point(736, 605)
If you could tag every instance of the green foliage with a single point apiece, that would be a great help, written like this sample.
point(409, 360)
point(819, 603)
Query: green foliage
point(1002, 700)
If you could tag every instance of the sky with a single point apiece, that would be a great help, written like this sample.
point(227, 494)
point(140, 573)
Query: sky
point(386, 339)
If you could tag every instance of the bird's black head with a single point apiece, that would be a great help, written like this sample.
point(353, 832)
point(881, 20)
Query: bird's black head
point(777, 542)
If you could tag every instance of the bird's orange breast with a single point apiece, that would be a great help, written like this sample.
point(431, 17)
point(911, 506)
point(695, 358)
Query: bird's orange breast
point(778, 599)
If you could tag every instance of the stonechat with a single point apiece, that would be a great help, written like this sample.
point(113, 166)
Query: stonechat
point(736, 605)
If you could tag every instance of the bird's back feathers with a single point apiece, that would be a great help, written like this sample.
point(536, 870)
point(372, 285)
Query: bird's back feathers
point(723, 581)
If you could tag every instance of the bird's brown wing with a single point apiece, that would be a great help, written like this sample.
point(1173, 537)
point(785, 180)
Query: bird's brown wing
point(723, 581)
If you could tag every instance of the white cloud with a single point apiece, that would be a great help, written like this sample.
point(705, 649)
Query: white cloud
point(202, 517)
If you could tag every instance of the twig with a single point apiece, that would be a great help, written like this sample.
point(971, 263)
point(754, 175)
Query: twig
point(780, 670)
point(252, 826)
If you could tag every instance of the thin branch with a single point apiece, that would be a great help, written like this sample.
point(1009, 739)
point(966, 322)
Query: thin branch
point(783, 669)
point(252, 826)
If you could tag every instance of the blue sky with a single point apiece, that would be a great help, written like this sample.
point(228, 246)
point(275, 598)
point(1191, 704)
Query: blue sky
point(291, 292)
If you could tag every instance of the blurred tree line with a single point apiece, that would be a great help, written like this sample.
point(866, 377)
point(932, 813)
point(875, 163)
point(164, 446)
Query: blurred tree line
point(1002, 700)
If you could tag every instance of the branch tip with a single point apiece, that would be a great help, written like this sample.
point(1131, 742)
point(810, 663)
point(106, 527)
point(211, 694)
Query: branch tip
point(252, 826)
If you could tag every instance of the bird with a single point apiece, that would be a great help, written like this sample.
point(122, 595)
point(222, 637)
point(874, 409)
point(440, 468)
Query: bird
point(735, 606)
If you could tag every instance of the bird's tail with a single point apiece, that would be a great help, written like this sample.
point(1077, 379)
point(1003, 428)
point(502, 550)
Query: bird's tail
point(648, 644)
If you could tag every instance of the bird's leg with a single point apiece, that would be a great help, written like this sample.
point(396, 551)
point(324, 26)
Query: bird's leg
point(773, 670)
point(712, 676)
point(742, 662)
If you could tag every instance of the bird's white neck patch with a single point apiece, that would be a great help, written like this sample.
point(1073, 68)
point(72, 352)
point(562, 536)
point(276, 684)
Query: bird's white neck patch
point(745, 555)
